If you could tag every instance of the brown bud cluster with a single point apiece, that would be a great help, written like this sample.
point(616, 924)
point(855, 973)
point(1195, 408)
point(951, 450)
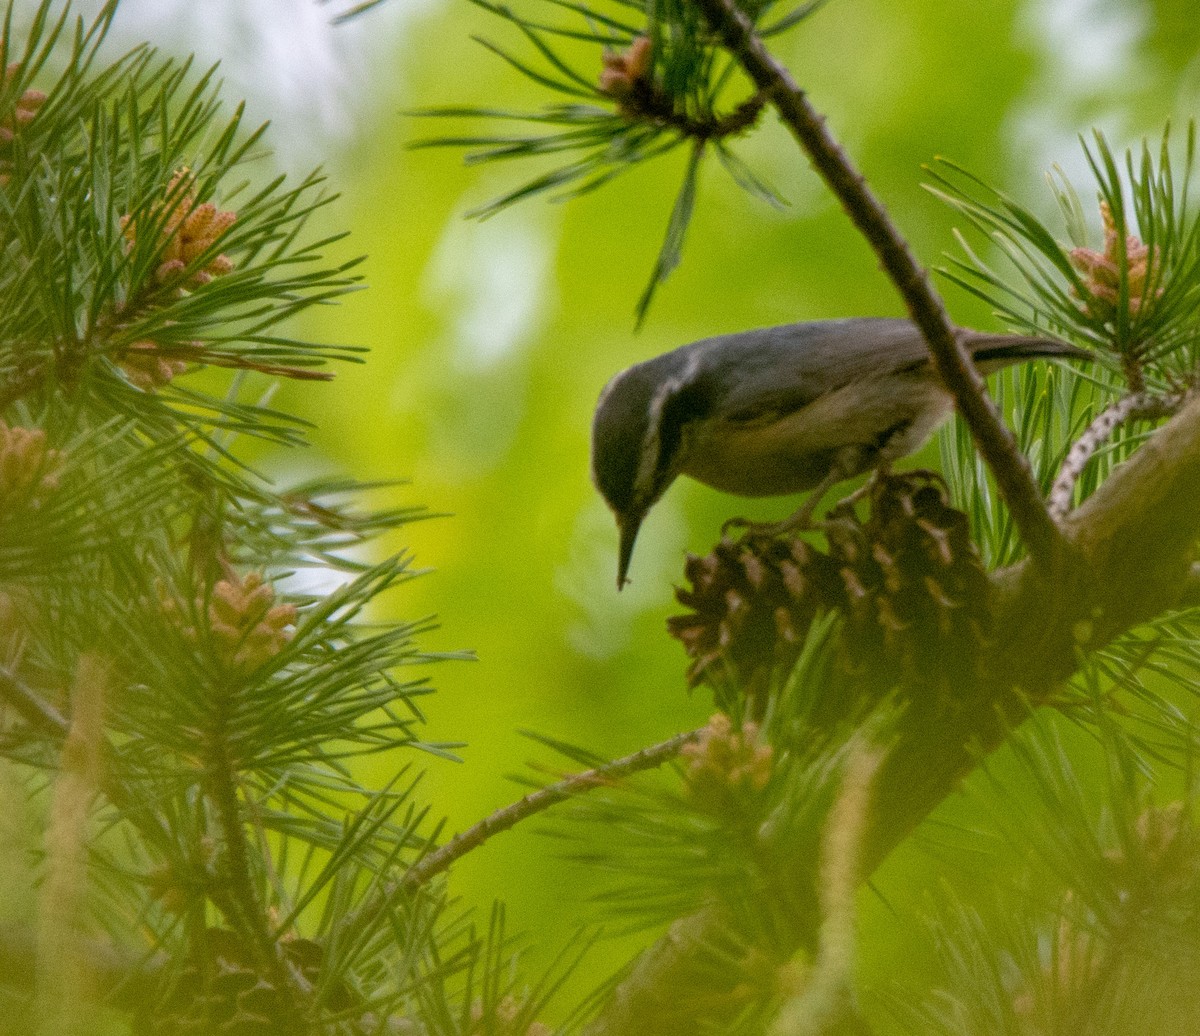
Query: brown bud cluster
point(247, 627)
point(146, 366)
point(185, 232)
point(624, 71)
point(724, 764)
point(24, 111)
point(1102, 270)
point(247, 623)
point(29, 469)
point(505, 1020)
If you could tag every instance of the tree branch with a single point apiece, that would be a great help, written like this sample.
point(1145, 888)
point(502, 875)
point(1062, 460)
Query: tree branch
point(242, 906)
point(995, 442)
point(428, 867)
point(1137, 533)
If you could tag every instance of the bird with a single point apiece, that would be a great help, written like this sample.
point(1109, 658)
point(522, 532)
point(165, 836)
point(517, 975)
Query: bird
point(778, 411)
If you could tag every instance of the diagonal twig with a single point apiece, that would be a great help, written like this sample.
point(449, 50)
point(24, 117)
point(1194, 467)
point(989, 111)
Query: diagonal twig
point(538, 801)
point(1140, 406)
point(31, 706)
point(1041, 534)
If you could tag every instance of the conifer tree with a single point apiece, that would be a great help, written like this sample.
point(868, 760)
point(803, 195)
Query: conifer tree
point(180, 718)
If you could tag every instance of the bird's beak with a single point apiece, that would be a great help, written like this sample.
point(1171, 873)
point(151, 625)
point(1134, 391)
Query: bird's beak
point(628, 524)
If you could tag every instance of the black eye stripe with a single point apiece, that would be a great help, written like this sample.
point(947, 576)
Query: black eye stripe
point(690, 403)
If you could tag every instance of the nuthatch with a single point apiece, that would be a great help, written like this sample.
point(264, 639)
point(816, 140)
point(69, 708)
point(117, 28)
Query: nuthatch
point(777, 411)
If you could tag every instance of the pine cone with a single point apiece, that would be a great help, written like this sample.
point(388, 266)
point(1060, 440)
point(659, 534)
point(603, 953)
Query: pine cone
point(752, 603)
point(220, 992)
point(916, 592)
point(908, 579)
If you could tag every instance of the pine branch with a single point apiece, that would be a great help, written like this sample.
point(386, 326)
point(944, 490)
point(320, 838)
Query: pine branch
point(130, 520)
point(1130, 559)
point(995, 442)
point(250, 915)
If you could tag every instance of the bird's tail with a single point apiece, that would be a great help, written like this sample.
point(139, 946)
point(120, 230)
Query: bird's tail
point(991, 352)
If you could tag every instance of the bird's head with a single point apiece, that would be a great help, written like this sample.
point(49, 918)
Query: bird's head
point(637, 443)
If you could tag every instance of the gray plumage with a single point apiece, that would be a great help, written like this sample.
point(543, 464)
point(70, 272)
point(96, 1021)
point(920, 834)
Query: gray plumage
point(778, 410)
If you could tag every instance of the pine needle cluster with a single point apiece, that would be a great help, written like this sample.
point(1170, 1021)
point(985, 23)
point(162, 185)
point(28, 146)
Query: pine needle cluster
point(181, 713)
point(634, 80)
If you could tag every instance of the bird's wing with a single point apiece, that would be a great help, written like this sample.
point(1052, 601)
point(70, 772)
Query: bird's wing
point(779, 370)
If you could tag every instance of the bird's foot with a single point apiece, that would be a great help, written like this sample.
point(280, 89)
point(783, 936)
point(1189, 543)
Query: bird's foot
point(800, 521)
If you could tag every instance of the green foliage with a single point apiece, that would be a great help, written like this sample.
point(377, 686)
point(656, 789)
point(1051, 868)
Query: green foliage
point(149, 571)
point(1071, 932)
point(664, 83)
point(1136, 301)
point(1144, 338)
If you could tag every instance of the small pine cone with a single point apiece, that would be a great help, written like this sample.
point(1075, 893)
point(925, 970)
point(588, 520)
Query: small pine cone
point(146, 367)
point(751, 602)
point(725, 766)
point(916, 592)
point(185, 232)
point(247, 625)
point(219, 992)
point(28, 467)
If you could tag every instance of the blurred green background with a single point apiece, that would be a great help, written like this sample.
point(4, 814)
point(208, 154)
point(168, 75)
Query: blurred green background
point(490, 341)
